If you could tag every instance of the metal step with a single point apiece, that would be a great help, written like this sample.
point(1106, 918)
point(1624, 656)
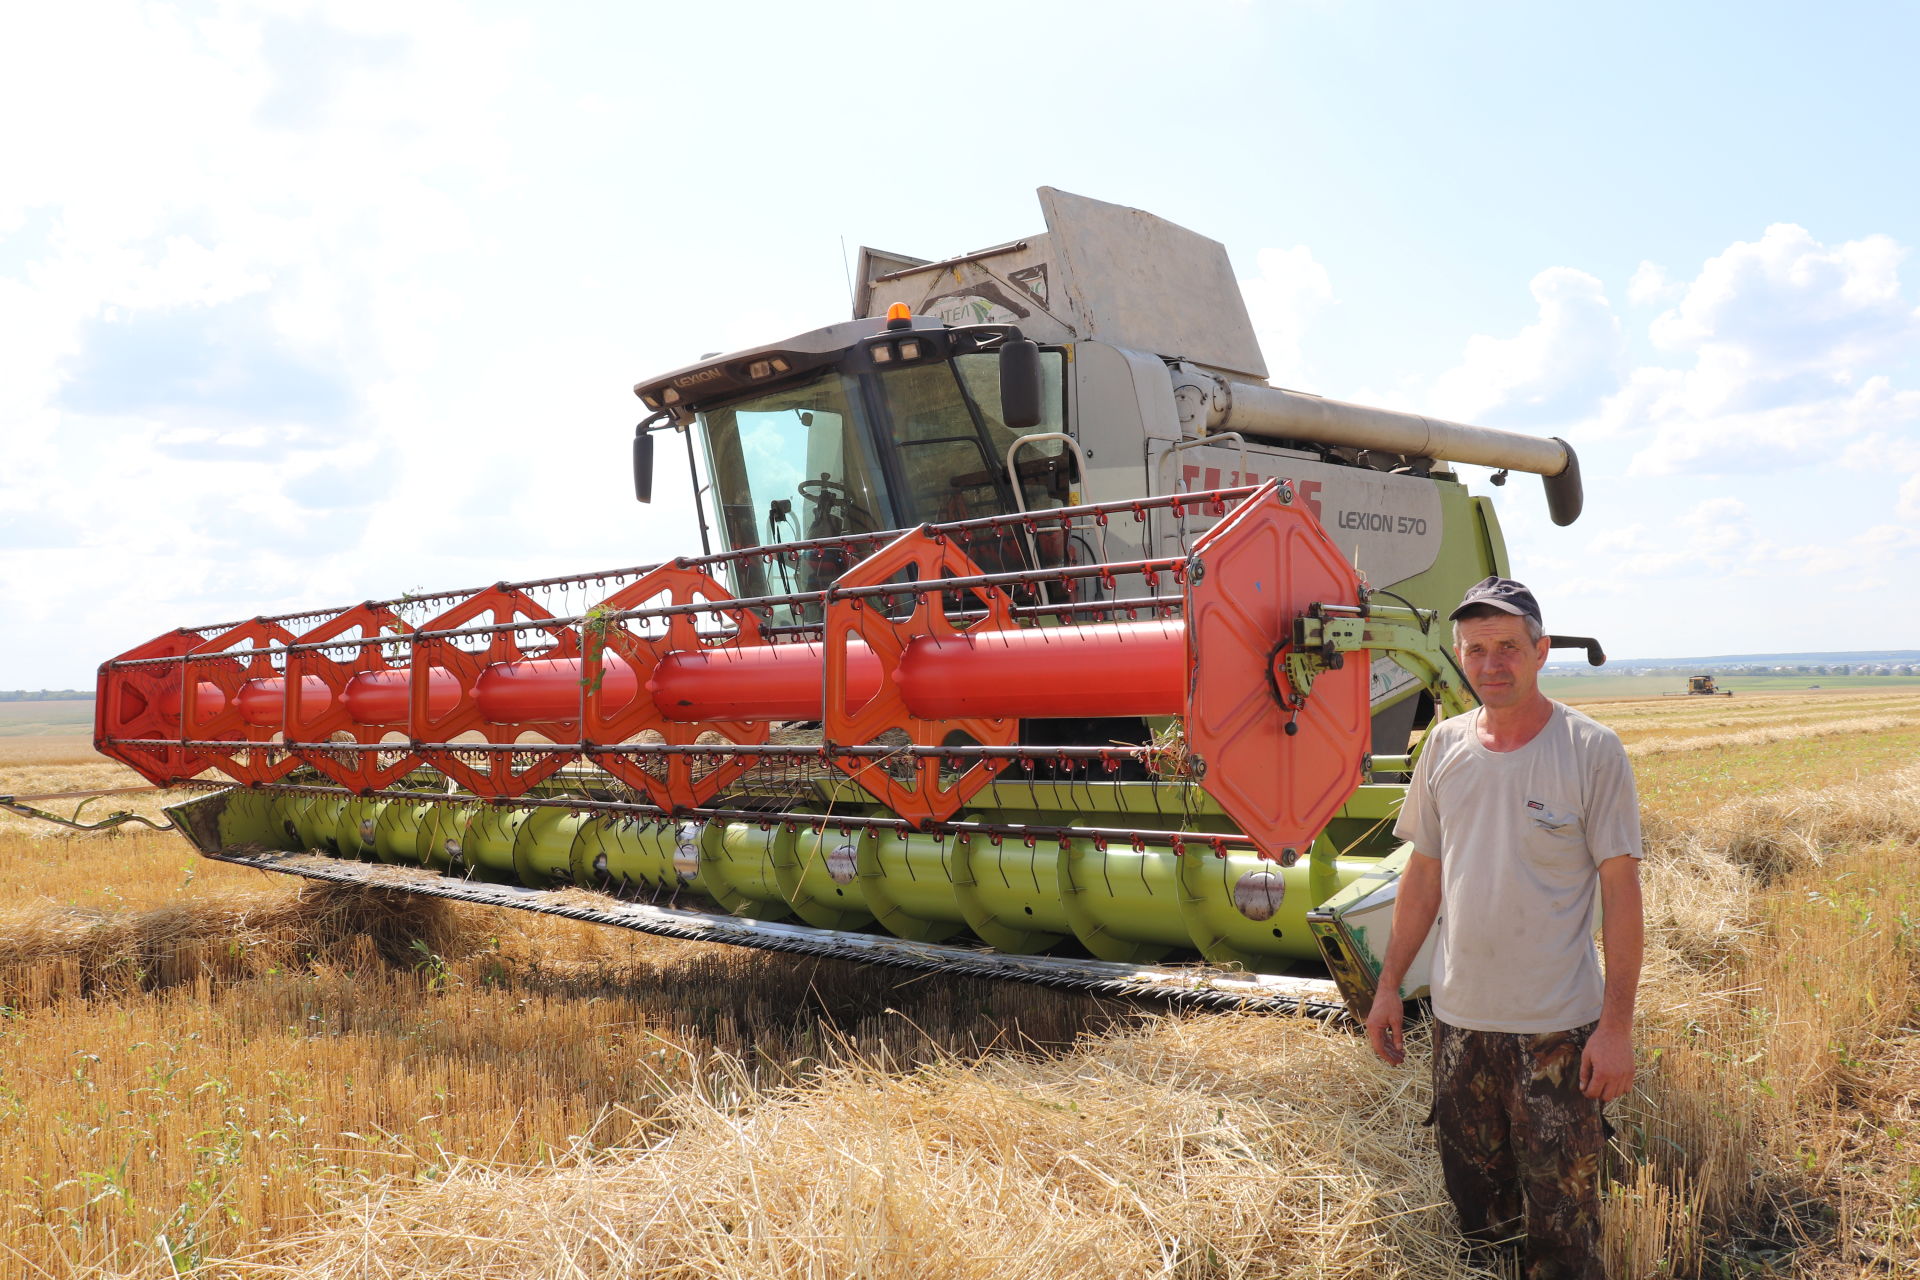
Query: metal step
point(1192, 985)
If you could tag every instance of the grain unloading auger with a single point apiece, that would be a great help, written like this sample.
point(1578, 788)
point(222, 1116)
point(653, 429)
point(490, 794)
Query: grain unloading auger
point(950, 695)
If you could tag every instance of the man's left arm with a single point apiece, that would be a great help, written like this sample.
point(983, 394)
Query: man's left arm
point(1606, 1067)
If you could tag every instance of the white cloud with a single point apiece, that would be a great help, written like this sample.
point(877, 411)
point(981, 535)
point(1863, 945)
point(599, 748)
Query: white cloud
point(1717, 525)
point(1791, 301)
point(1715, 512)
point(1887, 539)
point(224, 256)
point(1703, 540)
point(1550, 373)
point(1791, 342)
point(1724, 560)
point(1632, 571)
point(1791, 350)
point(1624, 539)
point(1842, 561)
point(1650, 284)
point(1688, 429)
point(1282, 301)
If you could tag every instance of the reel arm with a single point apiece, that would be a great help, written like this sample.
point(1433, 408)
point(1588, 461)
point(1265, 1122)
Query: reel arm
point(108, 823)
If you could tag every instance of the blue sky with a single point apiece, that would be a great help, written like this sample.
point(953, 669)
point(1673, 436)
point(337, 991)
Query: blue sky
point(305, 303)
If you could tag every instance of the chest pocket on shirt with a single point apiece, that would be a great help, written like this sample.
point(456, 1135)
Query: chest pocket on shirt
point(1554, 839)
point(1547, 817)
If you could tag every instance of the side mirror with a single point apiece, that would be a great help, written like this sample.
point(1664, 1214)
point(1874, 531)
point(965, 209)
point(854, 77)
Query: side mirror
point(1596, 656)
point(1020, 406)
point(643, 463)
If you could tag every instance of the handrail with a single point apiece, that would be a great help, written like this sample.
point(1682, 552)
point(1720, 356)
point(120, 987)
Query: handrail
point(1020, 498)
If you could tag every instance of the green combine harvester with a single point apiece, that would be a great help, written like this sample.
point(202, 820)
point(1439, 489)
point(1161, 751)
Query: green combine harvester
point(1031, 634)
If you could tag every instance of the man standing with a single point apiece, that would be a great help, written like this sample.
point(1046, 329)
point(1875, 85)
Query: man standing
point(1519, 813)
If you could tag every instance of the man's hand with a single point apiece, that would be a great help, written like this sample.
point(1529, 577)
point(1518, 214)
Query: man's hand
point(1606, 1065)
point(1384, 1021)
point(1606, 1068)
point(1416, 903)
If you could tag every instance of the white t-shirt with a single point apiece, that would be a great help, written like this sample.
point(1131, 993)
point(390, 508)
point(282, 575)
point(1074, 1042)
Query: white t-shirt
point(1520, 836)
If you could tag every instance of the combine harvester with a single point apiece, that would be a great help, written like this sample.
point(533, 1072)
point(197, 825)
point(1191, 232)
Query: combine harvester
point(1026, 640)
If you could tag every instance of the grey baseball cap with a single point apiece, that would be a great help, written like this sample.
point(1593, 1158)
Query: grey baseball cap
point(1503, 594)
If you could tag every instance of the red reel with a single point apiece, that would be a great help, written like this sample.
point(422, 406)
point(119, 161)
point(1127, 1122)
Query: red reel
point(144, 703)
point(316, 720)
point(613, 714)
point(213, 697)
point(926, 798)
point(500, 774)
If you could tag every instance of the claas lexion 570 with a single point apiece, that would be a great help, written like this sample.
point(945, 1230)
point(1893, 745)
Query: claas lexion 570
point(1032, 635)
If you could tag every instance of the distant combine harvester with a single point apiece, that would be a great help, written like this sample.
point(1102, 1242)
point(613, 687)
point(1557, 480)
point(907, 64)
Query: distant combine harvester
point(1700, 686)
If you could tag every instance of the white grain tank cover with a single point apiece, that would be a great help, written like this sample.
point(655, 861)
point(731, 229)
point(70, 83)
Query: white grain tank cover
point(1102, 271)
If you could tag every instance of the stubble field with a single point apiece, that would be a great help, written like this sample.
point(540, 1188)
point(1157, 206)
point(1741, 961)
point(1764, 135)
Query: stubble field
point(211, 1071)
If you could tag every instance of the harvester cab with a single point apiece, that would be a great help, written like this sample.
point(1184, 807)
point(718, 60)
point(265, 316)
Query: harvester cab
point(1032, 634)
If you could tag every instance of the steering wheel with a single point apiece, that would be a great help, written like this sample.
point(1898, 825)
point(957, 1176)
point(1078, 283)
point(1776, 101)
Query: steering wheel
point(824, 488)
point(828, 494)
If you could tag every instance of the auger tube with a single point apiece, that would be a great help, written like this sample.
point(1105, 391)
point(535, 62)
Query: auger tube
point(1274, 412)
point(1300, 415)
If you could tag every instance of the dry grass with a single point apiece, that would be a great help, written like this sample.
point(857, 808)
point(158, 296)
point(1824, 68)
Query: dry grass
point(1764, 1109)
point(195, 1058)
point(1690, 788)
point(1184, 1148)
point(1783, 978)
point(1631, 716)
point(1218, 1145)
point(1788, 732)
point(216, 1117)
point(72, 755)
point(216, 1069)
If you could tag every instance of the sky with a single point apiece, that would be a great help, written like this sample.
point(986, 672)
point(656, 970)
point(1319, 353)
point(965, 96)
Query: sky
point(309, 303)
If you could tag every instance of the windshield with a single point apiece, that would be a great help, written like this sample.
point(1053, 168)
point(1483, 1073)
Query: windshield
point(953, 445)
point(798, 463)
point(789, 465)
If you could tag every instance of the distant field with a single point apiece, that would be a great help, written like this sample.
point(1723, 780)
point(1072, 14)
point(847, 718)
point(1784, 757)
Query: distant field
point(1577, 688)
point(32, 719)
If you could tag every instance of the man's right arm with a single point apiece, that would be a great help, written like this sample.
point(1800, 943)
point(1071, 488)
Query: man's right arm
point(1416, 903)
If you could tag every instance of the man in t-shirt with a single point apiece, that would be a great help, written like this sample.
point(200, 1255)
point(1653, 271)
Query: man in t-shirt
point(1520, 813)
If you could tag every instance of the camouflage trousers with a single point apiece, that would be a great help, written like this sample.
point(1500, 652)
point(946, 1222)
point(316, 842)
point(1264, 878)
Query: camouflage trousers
point(1521, 1147)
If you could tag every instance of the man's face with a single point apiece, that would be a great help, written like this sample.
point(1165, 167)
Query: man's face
point(1501, 663)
